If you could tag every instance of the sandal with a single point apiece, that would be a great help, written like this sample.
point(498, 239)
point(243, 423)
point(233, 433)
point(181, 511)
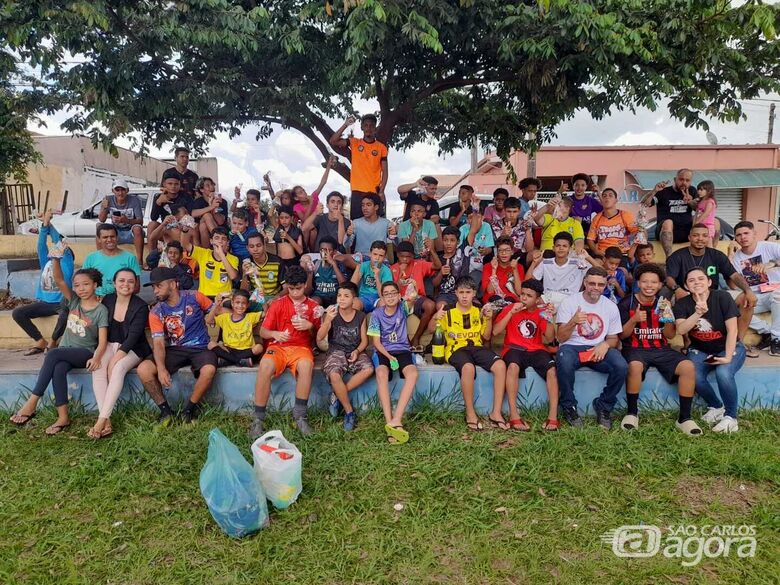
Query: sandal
point(27, 418)
point(518, 424)
point(56, 429)
point(551, 424)
point(475, 426)
point(398, 434)
point(630, 422)
point(32, 351)
point(499, 424)
point(689, 428)
point(750, 352)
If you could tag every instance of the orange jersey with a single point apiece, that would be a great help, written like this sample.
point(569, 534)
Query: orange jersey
point(367, 157)
point(612, 231)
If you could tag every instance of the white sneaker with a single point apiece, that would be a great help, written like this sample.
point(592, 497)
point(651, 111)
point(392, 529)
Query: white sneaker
point(726, 425)
point(713, 415)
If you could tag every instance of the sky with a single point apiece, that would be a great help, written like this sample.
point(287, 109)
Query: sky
point(293, 160)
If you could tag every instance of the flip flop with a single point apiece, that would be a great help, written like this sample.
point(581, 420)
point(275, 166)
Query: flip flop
point(33, 351)
point(551, 425)
point(399, 434)
point(28, 418)
point(501, 425)
point(57, 429)
point(750, 352)
point(518, 424)
point(689, 428)
point(475, 426)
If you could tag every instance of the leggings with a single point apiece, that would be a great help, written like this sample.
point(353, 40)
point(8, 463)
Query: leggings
point(26, 313)
point(233, 356)
point(108, 384)
point(56, 365)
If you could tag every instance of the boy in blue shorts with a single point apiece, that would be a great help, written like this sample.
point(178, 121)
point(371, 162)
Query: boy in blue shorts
point(369, 276)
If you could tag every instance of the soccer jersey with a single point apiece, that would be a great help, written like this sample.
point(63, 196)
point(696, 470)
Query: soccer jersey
point(391, 329)
point(564, 279)
point(584, 208)
point(524, 330)
point(279, 317)
point(214, 279)
point(552, 227)
point(517, 234)
point(461, 329)
point(506, 282)
point(649, 332)
point(613, 231)
point(367, 160)
point(238, 243)
point(325, 282)
point(482, 239)
point(238, 334)
point(427, 230)
point(184, 324)
point(268, 274)
point(459, 266)
point(368, 284)
point(414, 273)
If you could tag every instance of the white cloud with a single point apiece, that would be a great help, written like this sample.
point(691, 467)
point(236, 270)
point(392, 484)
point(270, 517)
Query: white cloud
point(639, 138)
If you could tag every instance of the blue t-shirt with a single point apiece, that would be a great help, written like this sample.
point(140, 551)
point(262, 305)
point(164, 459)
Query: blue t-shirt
point(109, 266)
point(368, 284)
point(47, 290)
point(238, 243)
point(609, 291)
point(183, 325)
point(391, 329)
point(367, 233)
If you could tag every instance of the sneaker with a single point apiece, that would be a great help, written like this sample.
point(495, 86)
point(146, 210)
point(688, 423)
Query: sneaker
point(190, 415)
point(350, 421)
point(726, 425)
point(713, 415)
point(774, 347)
point(164, 420)
point(765, 342)
point(602, 416)
point(256, 430)
point(571, 416)
point(335, 407)
point(303, 426)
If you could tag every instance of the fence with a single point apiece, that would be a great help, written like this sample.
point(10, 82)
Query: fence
point(19, 204)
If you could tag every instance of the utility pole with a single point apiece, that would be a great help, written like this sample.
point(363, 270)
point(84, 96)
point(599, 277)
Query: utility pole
point(771, 123)
point(474, 157)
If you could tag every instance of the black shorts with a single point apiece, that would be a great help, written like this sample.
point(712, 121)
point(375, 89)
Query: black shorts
point(539, 360)
point(679, 232)
point(405, 358)
point(665, 360)
point(178, 357)
point(474, 355)
point(449, 300)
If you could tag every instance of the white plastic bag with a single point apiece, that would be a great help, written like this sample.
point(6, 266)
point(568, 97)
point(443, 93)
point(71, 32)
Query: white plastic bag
point(279, 467)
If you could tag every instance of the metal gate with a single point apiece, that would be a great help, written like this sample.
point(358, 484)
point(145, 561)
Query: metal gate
point(17, 205)
point(729, 205)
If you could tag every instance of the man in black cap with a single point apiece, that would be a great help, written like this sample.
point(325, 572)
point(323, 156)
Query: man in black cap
point(187, 178)
point(179, 338)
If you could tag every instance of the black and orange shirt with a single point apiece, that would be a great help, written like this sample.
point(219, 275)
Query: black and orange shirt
point(183, 324)
point(649, 333)
point(367, 160)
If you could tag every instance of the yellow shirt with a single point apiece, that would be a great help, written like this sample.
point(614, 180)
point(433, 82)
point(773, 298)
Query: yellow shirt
point(461, 329)
point(238, 335)
point(214, 278)
point(552, 227)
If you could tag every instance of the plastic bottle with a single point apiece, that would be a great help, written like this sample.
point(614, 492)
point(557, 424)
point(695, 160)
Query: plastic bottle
point(437, 346)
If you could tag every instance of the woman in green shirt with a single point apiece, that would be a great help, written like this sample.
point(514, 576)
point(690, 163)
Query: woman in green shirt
point(82, 345)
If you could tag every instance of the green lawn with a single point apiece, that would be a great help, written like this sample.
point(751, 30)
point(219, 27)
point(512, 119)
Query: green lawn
point(486, 508)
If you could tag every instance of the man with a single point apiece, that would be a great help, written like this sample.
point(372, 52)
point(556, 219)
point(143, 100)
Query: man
point(759, 264)
point(648, 326)
point(186, 177)
point(588, 329)
point(110, 258)
point(529, 187)
point(369, 162)
point(423, 191)
point(369, 228)
point(179, 339)
point(127, 215)
point(675, 204)
point(517, 229)
point(715, 264)
point(166, 203)
point(330, 224)
point(611, 227)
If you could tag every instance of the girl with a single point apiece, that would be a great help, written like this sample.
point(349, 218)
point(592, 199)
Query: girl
point(82, 345)
point(238, 347)
point(203, 207)
point(706, 208)
point(304, 205)
point(709, 318)
point(127, 346)
point(288, 239)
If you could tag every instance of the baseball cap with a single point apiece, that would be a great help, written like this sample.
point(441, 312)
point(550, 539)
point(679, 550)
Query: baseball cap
point(120, 183)
point(161, 274)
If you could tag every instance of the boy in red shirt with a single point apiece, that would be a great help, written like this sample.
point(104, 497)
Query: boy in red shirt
point(291, 323)
point(408, 272)
point(527, 332)
point(508, 275)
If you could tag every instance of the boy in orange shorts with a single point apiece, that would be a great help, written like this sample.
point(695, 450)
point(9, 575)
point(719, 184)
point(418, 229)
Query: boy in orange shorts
point(291, 323)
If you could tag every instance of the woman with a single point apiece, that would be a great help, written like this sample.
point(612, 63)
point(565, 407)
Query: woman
point(204, 206)
point(709, 318)
point(127, 346)
point(83, 344)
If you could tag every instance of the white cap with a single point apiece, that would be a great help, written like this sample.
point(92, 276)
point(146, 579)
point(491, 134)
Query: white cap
point(120, 183)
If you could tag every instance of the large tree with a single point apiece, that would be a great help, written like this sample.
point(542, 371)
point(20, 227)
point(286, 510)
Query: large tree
point(456, 72)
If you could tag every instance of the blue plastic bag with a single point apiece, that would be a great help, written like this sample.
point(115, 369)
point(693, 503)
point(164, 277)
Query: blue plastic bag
point(231, 489)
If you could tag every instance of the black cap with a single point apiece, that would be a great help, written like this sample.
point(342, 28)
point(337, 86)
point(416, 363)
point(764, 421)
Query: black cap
point(161, 274)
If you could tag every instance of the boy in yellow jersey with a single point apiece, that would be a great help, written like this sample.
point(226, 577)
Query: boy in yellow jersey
point(218, 268)
point(466, 328)
point(238, 347)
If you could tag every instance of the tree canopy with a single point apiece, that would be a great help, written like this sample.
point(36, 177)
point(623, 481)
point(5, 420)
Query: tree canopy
point(502, 74)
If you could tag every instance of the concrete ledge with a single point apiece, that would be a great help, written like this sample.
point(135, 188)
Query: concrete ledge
point(27, 247)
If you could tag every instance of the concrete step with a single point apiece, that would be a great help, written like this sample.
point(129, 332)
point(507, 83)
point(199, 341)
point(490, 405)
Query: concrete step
point(27, 247)
point(22, 284)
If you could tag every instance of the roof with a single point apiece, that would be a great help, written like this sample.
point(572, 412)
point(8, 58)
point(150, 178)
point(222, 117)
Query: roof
point(723, 179)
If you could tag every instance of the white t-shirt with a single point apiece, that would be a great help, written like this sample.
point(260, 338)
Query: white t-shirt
point(566, 279)
point(764, 252)
point(603, 320)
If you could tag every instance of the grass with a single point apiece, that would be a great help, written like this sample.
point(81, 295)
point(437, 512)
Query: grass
point(478, 508)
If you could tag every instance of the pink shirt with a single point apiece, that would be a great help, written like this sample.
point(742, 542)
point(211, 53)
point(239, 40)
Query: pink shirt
point(300, 209)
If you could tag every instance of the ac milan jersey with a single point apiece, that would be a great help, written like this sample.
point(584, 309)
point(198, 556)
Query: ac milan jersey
point(649, 332)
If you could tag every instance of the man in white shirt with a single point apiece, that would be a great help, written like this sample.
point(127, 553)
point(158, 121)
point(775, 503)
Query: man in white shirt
point(562, 274)
point(588, 328)
point(759, 264)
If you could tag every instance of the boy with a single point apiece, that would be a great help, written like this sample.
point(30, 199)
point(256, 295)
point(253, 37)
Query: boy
point(174, 258)
point(528, 329)
point(254, 213)
point(325, 275)
point(290, 325)
point(420, 232)
point(391, 342)
point(238, 346)
point(165, 204)
point(500, 277)
point(555, 217)
point(477, 237)
point(465, 331)
point(288, 239)
point(260, 272)
point(454, 265)
point(330, 224)
point(467, 204)
point(239, 232)
point(562, 274)
point(218, 268)
point(516, 228)
point(369, 275)
point(410, 274)
point(616, 275)
point(345, 329)
point(641, 254)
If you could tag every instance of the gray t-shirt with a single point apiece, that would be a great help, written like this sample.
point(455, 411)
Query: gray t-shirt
point(131, 209)
point(326, 227)
point(81, 329)
point(345, 335)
